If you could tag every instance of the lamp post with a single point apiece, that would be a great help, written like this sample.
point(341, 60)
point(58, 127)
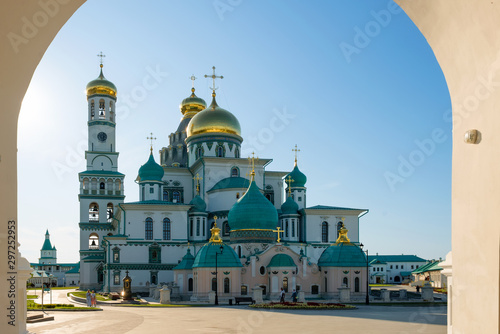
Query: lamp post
point(41, 277)
point(216, 277)
point(367, 301)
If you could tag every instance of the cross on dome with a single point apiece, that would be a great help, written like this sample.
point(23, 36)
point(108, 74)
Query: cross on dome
point(213, 76)
point(252, 161)
point(197, 178)
point(278, 230)
point(151, 138)
point(289, 180)
point(101, 55)
point(296, 150)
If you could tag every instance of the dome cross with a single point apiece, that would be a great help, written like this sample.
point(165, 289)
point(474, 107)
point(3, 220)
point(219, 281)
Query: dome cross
point(213, 76)
point(252, 160)
point(151, 138)
point(289, 181)
point(197, 179)
point(101, 55)
point(278, 230)
point(296, 150)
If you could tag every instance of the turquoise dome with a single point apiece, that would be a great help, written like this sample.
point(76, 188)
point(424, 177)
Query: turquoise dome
point(206, 256)
point(151, 171)
point(186, 262)
point(289, 207)
point(281, 260)
point(299, 178)
point(199, 204)
point(253, 211)
point(343, 254)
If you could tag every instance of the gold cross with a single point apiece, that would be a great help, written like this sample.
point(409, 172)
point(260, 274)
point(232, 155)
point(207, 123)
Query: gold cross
point(289, 180)
point(296, 150)
point(193, 78)
point(151, 138)
point(101, 55)
point(213, 76)
point(252, 161)
point(197, 178)
point(278, 230)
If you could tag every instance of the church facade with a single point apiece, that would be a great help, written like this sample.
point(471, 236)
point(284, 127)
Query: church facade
point(201, 203)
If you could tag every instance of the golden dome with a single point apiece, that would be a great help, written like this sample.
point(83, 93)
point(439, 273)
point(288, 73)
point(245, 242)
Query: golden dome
point(214, 119)
point(192, 105)
point(101, 86)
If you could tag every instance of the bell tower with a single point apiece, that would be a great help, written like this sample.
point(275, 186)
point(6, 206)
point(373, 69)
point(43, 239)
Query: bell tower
point(101, 185)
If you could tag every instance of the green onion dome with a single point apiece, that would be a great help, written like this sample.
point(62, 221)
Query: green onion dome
point(206, 255)
point(101, 86)
point(198, 203)
point(253, 211)
point(186, 262)
point(343, 253)
point(151, 171)
point(289, 207)
point(298, 178)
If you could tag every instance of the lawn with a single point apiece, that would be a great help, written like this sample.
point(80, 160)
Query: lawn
point(31, 305)
point(83, 294)
point(32, 297)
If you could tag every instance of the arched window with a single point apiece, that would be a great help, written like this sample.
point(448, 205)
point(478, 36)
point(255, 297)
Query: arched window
point(214, 284)
point(286, 228)
point(326, 284)
point(149, 229)
point(190, 284)
point(191, 227)
point(345, 282)
point(293, 228)
point(314, 289)
point(93, 241)
point(176, 197)
point(102, 110)
point(219, 151)
point(93, 212)
point(166, 229)
point(225, 228)
point(109, 212)
point(324, 232)
point(197, 227)
point(356, 284)
point(204, 228)
point(92, 110)
point(236, 153)
point(227, 287)
point(235, 172)
point(239, 252)
point(102, 186)
point(285, 284)
point(165, 195)
point(199, 152)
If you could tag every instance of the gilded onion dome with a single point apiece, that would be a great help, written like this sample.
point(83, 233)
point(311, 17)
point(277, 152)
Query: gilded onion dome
point(101, 86)
point(192, 105)
point(212, 120)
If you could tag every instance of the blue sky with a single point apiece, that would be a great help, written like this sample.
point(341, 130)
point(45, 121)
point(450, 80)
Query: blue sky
point(362, 93)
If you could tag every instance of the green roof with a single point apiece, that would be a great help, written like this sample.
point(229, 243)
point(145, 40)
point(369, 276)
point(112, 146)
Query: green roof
point(343, 254)
point(298, 178)
point(206, 256)
point(47, 246)
point(253, 211)
point(198, 203)
point(396, 258)
point(326, 207)
point(405, 273)
point(431, 266)
point(281, 260)
point(101, 172)
point(231, 183)
point(289, 207)
point(187, 261)
point(151, 171)
point(75, 270)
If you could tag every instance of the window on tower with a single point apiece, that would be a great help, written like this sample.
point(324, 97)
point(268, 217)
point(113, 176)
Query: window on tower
point(219, 151)
point(176, 197)
point(235, 172)
point(92, 110)
point(149, 229)
point(109, 212)
point(236, 153)
point(324, 232)
point(93, 241)
point(102, 186)
point(102, 110)
point(166, 229)
point(93, 212)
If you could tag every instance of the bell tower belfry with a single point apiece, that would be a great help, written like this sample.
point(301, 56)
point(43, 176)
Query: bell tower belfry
point(101, 185)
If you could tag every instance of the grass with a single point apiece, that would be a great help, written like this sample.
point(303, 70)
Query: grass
point(407, 304)
point(165, 305)
point(32, 297)
point(381, 284)
point(441, 290)
point(83, 294)
point(31, 305)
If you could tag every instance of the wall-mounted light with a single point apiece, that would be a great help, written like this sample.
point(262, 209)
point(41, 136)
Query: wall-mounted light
point(472, 136)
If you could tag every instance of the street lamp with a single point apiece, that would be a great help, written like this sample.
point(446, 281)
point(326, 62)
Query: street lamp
point(41, 277)
point(216, 278)
point(367, 301)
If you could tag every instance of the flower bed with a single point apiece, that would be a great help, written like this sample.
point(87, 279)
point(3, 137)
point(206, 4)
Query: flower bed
point(303, 306)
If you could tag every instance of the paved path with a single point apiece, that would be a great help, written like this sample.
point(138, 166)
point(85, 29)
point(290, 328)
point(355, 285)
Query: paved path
point(241, 319)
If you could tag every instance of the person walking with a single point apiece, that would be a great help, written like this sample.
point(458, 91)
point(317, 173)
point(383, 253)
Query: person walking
point(89, 300)
point(93, 299)
point(294, 296)
point(282, 295)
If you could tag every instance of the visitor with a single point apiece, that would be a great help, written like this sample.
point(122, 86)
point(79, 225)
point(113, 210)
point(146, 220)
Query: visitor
point(88, 298)
point(282, 295)
point(418, 288)
point(93, 299)
point(294, 296)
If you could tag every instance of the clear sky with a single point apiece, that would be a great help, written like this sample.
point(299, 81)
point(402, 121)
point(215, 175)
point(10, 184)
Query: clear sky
point(353, 83)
